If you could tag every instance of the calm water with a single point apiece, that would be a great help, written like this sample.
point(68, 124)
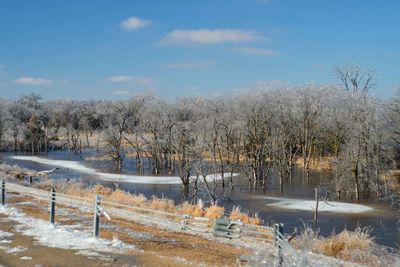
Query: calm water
point(382, 218)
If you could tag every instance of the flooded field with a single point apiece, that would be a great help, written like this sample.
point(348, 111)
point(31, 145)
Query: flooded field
point(293, 206)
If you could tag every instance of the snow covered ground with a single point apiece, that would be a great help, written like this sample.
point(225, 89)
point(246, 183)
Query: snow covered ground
point(65, 236)
point(309, 205)
point(137, 179)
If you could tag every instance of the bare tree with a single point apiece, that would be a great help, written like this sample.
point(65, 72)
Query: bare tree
point(117, 118)
point(356, 78)
point(4, 117)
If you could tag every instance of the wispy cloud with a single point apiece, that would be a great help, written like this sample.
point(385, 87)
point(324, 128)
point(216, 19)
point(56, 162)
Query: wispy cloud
point(121, 92)
point(134, 24)
point(120, 79)
point(32, 81)
point(190, 64)
point(208, 37)
point(135, 79)
point(256, 51)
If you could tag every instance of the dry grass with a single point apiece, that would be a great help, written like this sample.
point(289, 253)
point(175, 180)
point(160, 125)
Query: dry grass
point(355, 246)
point(344, 244)
point(161, 204)
point(392, 179)
point(317, 164)
point(246, 218)
point(214, 212)
point(15, 171)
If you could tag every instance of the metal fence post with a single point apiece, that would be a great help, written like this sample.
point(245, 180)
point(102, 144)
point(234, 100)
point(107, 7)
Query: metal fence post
point(96, 223)
point(3, 192)
point(278, 229)
point(53, 205)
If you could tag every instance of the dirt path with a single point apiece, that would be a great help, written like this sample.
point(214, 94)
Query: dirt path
point(153, 247)
point(20, 250)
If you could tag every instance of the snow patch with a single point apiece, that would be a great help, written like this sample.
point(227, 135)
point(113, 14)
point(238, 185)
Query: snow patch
point(137, 179)
point(16, 250)
point(26, 258)
point(88, 253)
point(26, 203)
point(66, 237)
point(309, 205)
point(5, 234)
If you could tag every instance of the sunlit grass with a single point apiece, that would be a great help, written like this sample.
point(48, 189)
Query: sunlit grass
point(356, 246)
point(155, 203)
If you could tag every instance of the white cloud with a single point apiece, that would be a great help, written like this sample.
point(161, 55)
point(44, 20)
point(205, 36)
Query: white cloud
point(135, 79)
point(256, 51)
point(134, 24)
point(120, 79)
point(121, 92)
point(207, 36)
point(189, 64)
point(32, 81)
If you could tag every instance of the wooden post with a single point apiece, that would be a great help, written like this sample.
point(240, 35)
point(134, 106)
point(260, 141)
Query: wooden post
point(3, 192)
point(96, 222)
point(52, 205)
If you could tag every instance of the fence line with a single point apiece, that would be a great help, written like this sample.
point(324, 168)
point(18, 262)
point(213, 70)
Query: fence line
point(186, 223)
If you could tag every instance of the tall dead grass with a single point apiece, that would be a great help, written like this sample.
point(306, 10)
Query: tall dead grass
point(246, 218)
point(161, 204)
point(356, 246)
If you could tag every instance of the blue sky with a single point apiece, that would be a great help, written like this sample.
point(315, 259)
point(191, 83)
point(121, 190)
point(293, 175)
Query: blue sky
point(116, 49)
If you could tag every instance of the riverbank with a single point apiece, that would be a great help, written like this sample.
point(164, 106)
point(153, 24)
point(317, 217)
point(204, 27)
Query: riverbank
point(39, 211)
point(123, 242)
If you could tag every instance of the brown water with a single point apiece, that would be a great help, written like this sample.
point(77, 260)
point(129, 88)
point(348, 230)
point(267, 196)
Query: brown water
point(383, 218)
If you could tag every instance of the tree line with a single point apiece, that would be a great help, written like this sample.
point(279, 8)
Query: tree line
point(259, 131)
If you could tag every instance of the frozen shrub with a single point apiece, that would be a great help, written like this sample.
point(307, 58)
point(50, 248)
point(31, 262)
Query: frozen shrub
point(163, 204)
point(236, 214)
point(214, 212)
point(186, 208)
point(354, 246)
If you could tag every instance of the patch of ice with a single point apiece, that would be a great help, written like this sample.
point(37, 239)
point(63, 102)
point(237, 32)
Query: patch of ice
point(309, 205)
point(5, 234)
point(69, 164)
point(5, 241)
point(137, 179)
point(61, 236)
point(26, 203)
point(26, 258)
point(16, 250)
point(88, 253)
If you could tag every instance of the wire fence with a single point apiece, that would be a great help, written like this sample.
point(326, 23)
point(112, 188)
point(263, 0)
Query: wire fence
point(204, 227)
